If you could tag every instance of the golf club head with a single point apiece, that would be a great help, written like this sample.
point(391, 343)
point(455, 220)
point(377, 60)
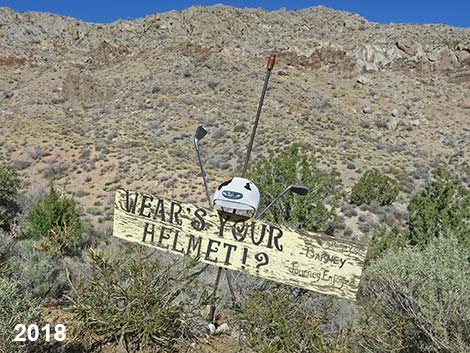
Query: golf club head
point(299, 189)
point(200, 133)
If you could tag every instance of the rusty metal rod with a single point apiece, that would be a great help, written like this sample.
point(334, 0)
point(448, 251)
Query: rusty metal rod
point(269, 67)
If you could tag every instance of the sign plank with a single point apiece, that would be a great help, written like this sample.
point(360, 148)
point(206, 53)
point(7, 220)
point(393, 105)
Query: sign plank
point(302, 259)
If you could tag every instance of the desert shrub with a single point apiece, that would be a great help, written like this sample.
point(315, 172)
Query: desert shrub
point(277, 322)
point(54, 212)
point(16, 306)
point(62, 241)
point(135, 300)
point(443, 207)
point(385, 238)
point(417, 300)
point(273, 174)
point(372, 187)
point(7, 246)
point(10, 184)
point(40, 266)
point(38, 272)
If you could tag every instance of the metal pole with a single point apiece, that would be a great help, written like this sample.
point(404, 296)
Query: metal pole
point(269, 67)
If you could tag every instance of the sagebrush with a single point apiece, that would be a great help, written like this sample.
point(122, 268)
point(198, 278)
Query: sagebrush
point(17, 306)
point(418, 300)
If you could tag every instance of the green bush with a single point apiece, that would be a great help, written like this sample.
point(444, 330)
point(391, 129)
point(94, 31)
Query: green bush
point(277, 322)
point(10, 184)
point(16, 307)
point(386, 238)
point(417, 300)
point(311, 212)
point(374, 187)
point(135, 300)
point(54, 212)
point(443, 207)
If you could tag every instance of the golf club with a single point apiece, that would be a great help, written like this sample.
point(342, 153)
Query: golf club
point(199, 135)
point(298, 189)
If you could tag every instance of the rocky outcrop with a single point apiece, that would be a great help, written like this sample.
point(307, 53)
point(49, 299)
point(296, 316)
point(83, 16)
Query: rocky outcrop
point(370, 58)
point(317, 38)
point(326, 56)
point(11, 60)
point(106, 53)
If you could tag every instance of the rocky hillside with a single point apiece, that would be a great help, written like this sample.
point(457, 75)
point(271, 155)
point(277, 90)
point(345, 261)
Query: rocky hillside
point(313, 38)
point(98, 106)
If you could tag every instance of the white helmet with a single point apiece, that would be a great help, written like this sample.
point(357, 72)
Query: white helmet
point(239, 196)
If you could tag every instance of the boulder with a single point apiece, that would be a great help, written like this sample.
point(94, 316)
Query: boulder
point(392, 123)
point(443, 60)
point(370, 58)
point(223, 329)
point(410, 48)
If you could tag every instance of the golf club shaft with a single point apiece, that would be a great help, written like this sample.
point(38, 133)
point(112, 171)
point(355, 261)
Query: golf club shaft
point(269, 67)
point(258, 216)
point(220, 269)
point(203, 173)
point(214, 293)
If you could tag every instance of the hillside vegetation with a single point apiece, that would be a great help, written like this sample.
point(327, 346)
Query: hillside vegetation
point(373, 118)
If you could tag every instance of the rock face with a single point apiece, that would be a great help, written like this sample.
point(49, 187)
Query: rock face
point(312, 39)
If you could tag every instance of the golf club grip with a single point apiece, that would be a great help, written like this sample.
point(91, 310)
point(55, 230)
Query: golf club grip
point(271, 61)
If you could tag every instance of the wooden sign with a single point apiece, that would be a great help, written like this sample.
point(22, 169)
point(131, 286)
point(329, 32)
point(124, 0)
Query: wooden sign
point(301, 259)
